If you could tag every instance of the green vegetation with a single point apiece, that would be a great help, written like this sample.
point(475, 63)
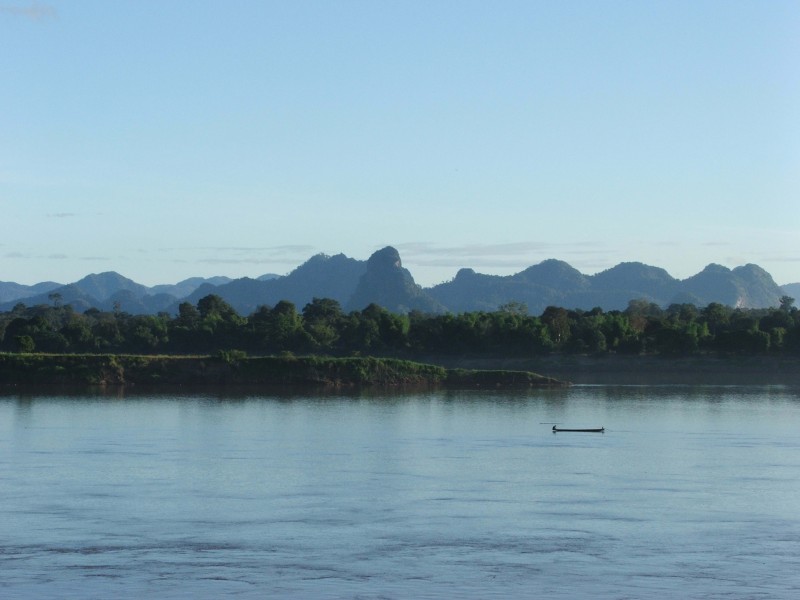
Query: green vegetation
point(235, 368)
point(213, 327)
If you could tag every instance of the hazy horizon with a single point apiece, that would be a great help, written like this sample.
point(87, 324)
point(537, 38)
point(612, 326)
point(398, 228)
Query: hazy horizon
point(147, 283)
point(171, 140)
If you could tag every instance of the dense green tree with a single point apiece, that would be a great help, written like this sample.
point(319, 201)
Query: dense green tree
point(214, 306)
point(188, 316)
point(184, 331)
point(106, 333)
point(78, 333)
point(557, 322)
point(24, 343)
point(323, 320)
point(147, 334)
point(277, 329)
point(14, 329)
point(375, 329)
point(587, 336)
point(716, 316)
point(213, 326)
point(220, 326)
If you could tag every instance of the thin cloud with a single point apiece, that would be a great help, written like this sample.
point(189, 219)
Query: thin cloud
point(52, 256)
point(33, 11)
point(471, 262)
point(233, 255)
point(780, 258)
point(470, 250)
point(64, 215)
point(502, 256)
point(234, 261)
point(242, 255)
point(269, 250)
point(788, 259)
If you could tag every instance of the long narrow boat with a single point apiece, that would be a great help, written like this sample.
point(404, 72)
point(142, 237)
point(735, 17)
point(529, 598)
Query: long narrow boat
point(596, 430)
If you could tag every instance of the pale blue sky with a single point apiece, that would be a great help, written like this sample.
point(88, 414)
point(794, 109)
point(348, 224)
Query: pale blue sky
point(170, 139)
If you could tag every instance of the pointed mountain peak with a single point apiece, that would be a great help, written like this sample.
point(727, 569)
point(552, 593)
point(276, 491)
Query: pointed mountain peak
point(465, 273)
point(387, 284)
point(385, 258)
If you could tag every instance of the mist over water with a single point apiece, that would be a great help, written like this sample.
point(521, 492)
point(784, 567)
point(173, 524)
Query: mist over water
point(691, 492)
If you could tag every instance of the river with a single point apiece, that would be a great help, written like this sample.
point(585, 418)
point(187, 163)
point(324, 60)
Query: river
point(691, 492)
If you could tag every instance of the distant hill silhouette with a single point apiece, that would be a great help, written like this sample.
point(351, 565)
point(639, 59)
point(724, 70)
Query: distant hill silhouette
point(321, 276)
point(618, 285)
point(107, 291)
point(555, 283)
point(187, 286)
point(12, 292)
point(384, 281)
point(749, 286)
point(792, 290)
point(104, 285)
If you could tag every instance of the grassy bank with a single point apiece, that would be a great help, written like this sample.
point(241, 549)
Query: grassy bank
point(635, 370)
point(230, 368)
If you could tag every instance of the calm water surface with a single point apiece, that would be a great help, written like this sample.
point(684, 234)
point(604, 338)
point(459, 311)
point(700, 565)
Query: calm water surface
point(690, 493)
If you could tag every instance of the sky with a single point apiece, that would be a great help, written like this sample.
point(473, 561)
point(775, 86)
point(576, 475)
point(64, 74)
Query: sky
point(172, 139)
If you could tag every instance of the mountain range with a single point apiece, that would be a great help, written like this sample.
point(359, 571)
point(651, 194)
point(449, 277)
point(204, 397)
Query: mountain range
point(383, 280)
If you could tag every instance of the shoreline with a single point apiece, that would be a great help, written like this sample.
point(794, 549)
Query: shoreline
point(641, 370)
point(311, 371)
point(320, 372)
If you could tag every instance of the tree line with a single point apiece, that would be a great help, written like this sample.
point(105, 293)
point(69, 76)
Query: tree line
point(323, 327)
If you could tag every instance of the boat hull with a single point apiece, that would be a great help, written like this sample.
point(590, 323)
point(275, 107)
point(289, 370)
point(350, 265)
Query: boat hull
point(594, 430)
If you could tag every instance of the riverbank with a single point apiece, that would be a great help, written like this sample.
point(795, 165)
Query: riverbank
point(428, 371)
point(230, 369)
point(644, 370)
